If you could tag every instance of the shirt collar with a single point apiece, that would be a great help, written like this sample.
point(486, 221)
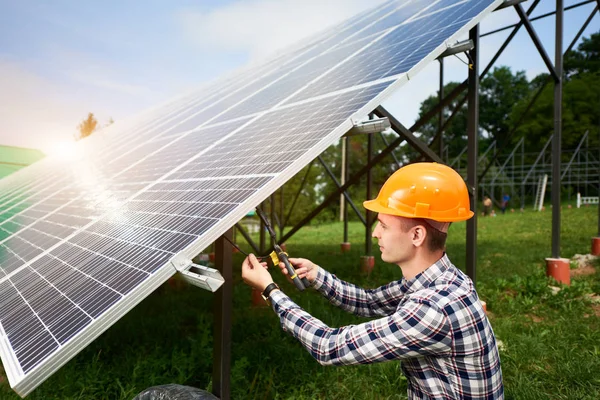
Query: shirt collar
point(425, 278)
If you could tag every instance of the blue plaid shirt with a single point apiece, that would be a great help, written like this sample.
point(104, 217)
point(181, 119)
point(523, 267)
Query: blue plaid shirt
point(434, 323)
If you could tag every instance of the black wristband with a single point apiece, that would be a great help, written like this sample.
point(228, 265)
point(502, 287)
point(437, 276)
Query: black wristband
point(267, 292)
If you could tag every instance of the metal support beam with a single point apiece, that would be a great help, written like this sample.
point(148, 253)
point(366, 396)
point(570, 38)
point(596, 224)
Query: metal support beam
point(273, 213)
point(473, 136)
point(538, 44)
point(262, 233)
point(354, 179)
point(287, 217)
point(369, 216)
point(281, 222)
point(408, 135)
point(441, 116)
point(346, 173)
point(460, 88)
point(337, 183)
point(583, 3)
point(540, 90)
point(556, 141)
point(508, 3)
point(251, 242)
point(344, 143)
point(386, 143)
point(222, 319)
point(575, 153)
point(460, 47)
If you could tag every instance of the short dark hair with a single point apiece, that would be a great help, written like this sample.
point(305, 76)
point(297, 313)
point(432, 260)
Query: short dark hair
point(435, 240)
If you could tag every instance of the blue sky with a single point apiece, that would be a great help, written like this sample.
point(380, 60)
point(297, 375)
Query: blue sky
point(62, 59)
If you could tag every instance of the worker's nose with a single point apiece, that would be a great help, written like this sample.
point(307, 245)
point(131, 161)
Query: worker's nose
point(375, 233)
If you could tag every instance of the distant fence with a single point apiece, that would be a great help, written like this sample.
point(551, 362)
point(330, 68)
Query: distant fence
point(586, 200)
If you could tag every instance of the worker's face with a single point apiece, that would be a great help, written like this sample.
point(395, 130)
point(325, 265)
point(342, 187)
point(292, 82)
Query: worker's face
point(395, 241)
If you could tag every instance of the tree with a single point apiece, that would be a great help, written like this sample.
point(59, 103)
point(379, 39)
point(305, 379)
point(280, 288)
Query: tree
point(499, 91)
point(455, 133)
point(581, 101)
point(586, 59)
point(86, 127)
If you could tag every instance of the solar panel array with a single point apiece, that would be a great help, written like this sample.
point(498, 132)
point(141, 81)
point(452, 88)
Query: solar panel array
point(82, 241)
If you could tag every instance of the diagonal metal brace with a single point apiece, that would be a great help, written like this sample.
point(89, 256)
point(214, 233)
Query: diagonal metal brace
point(408, 135)
point(537, 42)
point(345, 193)
point(509, 3)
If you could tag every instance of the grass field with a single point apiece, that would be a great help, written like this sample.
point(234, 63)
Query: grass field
point(550, 342)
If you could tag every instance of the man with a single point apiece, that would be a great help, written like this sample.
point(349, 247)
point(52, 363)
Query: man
point(487, 206)
point(431, 320)
point(505, 200)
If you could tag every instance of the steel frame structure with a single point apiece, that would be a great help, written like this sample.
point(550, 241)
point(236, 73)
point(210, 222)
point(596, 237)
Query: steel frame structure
point(223, 309)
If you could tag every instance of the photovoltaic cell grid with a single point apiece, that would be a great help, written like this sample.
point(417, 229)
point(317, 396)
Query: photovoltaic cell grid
point(82, 242)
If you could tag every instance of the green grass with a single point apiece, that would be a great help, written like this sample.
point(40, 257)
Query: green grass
point(551, 343)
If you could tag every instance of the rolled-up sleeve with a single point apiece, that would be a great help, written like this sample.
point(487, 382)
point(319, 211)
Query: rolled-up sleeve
point(415, 329)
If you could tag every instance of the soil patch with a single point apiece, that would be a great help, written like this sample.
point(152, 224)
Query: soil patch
point(535, 318)
point(583, 271)
point(584, 264)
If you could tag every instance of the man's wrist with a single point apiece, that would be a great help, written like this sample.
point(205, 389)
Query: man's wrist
point(266, 293)
point(261, 288)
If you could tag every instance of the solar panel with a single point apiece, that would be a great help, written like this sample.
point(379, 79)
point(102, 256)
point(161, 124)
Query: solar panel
point(84, 241)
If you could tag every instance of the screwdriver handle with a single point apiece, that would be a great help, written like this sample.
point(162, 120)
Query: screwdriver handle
point(300, 285)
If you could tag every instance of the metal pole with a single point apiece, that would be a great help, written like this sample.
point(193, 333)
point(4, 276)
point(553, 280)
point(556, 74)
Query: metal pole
point(441, 117)
point(272, 207)
point(368, 226)
point(222, 319)
point(539, 17)
point(281, 223)
point(344, 193)
point(262, 233)
point(473, 133)
point(246, 236)
point(556, 142)
point(343, 177)
point(304, 179)
point(522, 173)
point(346, 174)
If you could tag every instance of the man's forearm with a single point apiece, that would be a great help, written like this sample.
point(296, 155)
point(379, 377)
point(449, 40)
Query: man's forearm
point(353, 299)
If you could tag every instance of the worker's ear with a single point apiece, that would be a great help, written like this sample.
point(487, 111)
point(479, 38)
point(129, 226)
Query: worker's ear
point(419, 234)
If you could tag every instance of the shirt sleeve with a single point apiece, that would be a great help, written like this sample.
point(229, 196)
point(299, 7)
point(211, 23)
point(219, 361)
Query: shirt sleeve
point(379, 302)
point(415, 330)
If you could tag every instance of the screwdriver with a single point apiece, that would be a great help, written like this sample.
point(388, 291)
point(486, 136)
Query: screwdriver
point(279, 255)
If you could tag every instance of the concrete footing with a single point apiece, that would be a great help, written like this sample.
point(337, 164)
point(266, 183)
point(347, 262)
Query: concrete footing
point(345, 247)
point(596, 246)
point(367, 263)
point(559, 269)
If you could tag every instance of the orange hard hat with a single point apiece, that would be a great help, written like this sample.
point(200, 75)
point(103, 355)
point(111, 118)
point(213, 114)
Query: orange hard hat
point(424, 190)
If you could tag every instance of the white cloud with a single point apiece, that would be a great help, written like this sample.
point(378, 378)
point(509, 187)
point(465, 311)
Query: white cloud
point(259, 27)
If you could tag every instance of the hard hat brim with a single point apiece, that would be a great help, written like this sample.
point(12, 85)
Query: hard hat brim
point(376, 206)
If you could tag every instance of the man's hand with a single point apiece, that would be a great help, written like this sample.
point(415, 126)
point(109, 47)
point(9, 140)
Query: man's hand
point(255, 274)
point(304, 268)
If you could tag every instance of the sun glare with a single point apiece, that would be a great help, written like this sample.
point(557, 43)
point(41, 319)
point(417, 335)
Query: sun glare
point(66, 151)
